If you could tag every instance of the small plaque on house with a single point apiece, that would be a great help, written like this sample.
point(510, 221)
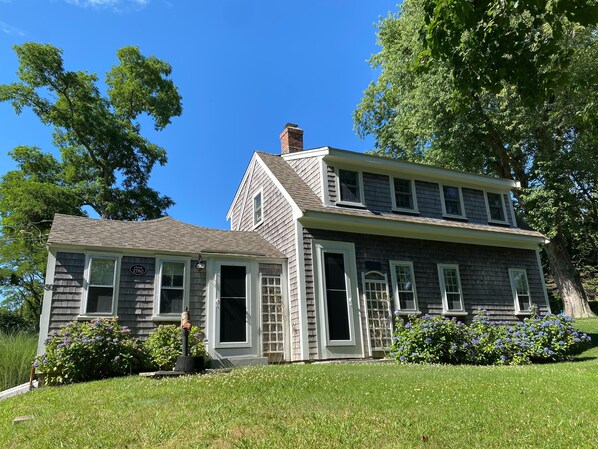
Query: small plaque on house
point(137, 270)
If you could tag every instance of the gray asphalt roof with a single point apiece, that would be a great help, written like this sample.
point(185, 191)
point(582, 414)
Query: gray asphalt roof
point(308, 201)
point(162, 235)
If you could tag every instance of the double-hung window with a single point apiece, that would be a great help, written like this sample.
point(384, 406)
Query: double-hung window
point(258, 214)
point(520, 288)
point(403, 281)
point(496, 207)
point(452, 201)
point(350, 187)
point(101, 281)
point(403, 195)
point(450, 288)
point(172, 289)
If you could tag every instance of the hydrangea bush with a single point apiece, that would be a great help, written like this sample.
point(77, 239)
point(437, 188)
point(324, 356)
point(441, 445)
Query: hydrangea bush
point(165, 344)
point(428, 339)
point(83, 351)
point(549, 338)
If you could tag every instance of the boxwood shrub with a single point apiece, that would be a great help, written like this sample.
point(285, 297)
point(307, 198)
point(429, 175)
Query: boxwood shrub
point(548, 338)
point(165, 344)
point(81, 351)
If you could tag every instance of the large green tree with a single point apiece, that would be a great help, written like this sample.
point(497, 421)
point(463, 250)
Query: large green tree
point(104, 164)
point(504, 88)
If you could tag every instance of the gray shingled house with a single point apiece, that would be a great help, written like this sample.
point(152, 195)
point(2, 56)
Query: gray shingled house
point(326, 246)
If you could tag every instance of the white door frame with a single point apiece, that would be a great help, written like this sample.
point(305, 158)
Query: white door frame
point(328, 348)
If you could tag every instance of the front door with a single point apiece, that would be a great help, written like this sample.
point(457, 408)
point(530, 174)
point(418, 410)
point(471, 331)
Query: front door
point(339, 327)
point(232, 317)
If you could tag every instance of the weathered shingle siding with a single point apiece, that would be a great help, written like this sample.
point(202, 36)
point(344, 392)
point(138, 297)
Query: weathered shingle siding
point(332, 196)
point(483, 270)
point(378, 197)
point(135, 293)
point(376, 192)
point(197, 296)
point(310, 302)
point(235, 217)
point(475, 206)
point(136, 296)
point(428, 199)
point(278, 228)
point(68, 289)
point(309, 168)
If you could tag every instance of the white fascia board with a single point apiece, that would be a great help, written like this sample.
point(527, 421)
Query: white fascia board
point(44, 319)
point(296, 210)
point(61, 247)
point(206, 254)
point(392, 228)
point(239, 190)
point(323, 151)
point(383, 165)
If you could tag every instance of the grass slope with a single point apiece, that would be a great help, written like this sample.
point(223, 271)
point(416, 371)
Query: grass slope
point(16, 356)
point(323, 405)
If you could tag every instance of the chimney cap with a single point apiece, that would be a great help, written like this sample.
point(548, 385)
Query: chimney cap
point(291, 125)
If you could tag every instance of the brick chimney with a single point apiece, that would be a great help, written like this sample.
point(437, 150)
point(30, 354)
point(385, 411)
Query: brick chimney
point(291, 139)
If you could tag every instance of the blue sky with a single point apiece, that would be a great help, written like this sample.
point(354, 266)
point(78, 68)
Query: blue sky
point(243, 68)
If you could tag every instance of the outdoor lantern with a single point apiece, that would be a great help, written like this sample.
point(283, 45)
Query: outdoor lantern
point(201, 264)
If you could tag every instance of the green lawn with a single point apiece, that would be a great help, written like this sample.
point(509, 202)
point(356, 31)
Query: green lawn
point(323, 405)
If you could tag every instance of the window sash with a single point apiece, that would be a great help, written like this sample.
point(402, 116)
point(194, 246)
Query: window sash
point(520, 287)
point(451, 286)
point(349, 186)
point(257, 209)
point(452, 201)
point(172, 288)
point(404, 286)
point(101, 286)
point(496, 206)
point(403, 194)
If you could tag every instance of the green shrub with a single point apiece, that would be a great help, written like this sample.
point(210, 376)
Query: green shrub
point(17, 351)
point(83, 351)
point(550, 338)
point(165, 344)
point(428, 339)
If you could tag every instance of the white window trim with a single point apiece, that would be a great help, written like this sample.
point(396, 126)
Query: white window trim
point(83, 315)
point(339, 201)
point(249, 291)
point(174, 317)
point(445, 309)
point(504, 209)
point(395, 288)
point(513, 271)
point(394, 197)
point(444, 213)
point(259, 193)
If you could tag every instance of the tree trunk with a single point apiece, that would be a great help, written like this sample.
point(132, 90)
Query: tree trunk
point(567, 279)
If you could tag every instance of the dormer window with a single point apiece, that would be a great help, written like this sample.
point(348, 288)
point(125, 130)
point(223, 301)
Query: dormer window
point(452, 201)
point(496, 207)
point(257, 209)
point(350, 187)
point(403, 195)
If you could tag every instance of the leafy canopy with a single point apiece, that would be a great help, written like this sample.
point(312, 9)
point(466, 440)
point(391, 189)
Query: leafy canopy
point(105, 163)
point(503, 88)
